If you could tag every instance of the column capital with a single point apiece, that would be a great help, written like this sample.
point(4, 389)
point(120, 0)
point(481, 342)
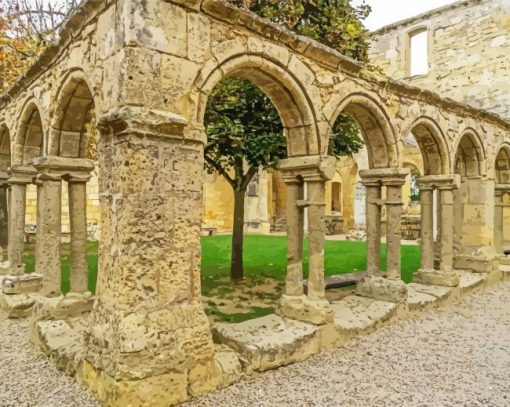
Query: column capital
point(124, 120)
point(501, 189)
point(315, 168)
point(442, 182)
point(63, 167)
point(22, 174)
point(384, 176)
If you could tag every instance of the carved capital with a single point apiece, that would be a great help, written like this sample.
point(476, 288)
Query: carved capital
point(315, 168)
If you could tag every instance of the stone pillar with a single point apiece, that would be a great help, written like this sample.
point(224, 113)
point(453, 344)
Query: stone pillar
point(393, 234)
point(295, 232)
point(476, 251)
point(48, 235)
point(20, 178)
point(389, 287)
point(263, 206)
point(373, 223)
point(149, 340)
point(427, 225)
point(444, 276)
point(498, 219)
point(4, 215)
point(312, 171)
point(77, 188)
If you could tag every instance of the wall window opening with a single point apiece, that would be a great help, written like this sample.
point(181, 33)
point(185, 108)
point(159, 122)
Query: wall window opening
point(418, 53)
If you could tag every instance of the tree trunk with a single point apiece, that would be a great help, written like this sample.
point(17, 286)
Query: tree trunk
point(3, 219)
point(236, 264)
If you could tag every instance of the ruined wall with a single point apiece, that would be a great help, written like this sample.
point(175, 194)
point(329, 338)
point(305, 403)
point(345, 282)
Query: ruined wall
point(469, 53)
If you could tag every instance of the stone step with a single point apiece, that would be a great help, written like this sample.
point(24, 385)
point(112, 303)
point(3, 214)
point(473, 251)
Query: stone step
point(469, 280)
point(437, 291)
point(417, 299)
point(269, 342)
point(355, 314)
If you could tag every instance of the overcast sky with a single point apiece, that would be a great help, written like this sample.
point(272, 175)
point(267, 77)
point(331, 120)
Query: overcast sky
point(385, 12)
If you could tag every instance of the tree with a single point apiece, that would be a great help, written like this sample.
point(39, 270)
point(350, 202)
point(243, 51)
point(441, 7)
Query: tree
point(243, 127)
point(26, 28)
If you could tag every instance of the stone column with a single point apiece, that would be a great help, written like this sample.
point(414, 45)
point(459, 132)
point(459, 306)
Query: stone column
point(263, 206)
point(498, 219)
point(149, 338)
point(444, 276)
point(373, 224)
point(294, 277)
point(389, 287)
point(393, 234)
point(48, 235)
point(4, 215)
point(312, 171)
point(427, 225)
point(77, 187)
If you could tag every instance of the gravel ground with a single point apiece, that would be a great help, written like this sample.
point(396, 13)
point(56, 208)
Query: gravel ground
point(28, 378)
point(459, 356)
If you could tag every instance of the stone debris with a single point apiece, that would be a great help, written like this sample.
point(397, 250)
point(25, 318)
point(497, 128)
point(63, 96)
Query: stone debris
point(269, 342)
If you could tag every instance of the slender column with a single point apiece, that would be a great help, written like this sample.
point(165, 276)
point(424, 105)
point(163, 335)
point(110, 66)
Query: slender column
point(393, 235)
point(17, 225)
point(47, 247)
point(373, 221)
point(446, 198)
point(294, 278)
point(77, 186)
point(427, 227)
point(316, 232)
point(498, 220)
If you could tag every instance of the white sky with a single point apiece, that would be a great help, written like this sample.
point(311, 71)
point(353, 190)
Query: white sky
point(386, 12)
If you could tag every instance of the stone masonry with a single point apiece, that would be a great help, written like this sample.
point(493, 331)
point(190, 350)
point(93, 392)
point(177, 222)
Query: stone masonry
point(140, 72)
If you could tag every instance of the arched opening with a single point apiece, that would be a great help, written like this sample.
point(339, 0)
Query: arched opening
point(469, 156)
point(73, 135)
point(336, 196)
point(502, 165)
point(502, 200)
point(30, 136)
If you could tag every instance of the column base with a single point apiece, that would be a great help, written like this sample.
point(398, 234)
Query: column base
point(504, 260)
point(301, 308)
point(22, 284)
point(477, 263)
point(436, 277)
point(380, 288)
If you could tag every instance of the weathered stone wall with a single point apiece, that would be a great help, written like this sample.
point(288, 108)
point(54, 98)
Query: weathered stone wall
point(469, 48)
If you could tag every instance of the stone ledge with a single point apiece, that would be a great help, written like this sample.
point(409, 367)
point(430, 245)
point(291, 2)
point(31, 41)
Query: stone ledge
point(22, 284)
point(439, 292)
point(18, 305)
point(419, 300)
point(437, 278)
point(355, 315)
point(301, 308)
point(269, 342)
point(469, 280)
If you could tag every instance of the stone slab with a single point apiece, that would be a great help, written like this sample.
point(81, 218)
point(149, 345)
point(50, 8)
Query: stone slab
point(380, 288)
point(269, 342)
point(437, 278)
point(71, 305)
point(434, 290)
point(62, 341)
point(417, 299)
point(18, 305)
point(21, 284)
point(355, 314)
point(506, 271)
point(340, 280)
point(469, 280)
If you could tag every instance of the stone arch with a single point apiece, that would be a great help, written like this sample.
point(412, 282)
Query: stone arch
point(502, 165)
point(378, 132)
point(433, 147)
point(470, 155)
point(5, 147)
point(73, 115)
point(29, 139)
point(284, 89)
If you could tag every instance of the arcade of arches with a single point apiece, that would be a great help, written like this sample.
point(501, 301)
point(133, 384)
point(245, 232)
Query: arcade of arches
point(143, 83)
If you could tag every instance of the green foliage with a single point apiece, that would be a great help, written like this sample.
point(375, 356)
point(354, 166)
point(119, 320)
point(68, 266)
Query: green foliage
point(335, 23)
point(345, 137)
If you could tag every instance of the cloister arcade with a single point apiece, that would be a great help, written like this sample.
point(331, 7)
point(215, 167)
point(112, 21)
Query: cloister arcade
point(147, 80)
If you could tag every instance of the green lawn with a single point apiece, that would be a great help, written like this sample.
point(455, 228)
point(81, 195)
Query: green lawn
point(264, 256)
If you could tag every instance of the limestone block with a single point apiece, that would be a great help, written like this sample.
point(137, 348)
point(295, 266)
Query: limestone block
point(303, 309)
point(19, 284)
point(269, 342)
point(469, 280)
point(18, 305)
point(355, 314)
point(436, 277)
point(380, 288)
point(69, 306)
point(417, 299)
point(439, 292)
point(62, 341)
point(506, 272)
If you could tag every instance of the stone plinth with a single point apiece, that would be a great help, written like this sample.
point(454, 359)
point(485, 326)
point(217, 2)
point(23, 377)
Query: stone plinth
point(380, 288)
point(436, 277)
point(302, 308)
point(22, 284)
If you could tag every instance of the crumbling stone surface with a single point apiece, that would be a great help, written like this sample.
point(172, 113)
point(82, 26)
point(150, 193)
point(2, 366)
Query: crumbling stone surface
point(22, 284)
point(434, 277)
point(380, 288)
point(18, 305)
point(268, 342)
point(72, 305)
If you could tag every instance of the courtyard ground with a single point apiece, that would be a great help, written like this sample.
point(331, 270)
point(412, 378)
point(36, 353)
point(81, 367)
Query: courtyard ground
point(457, 356)
point(265, 259)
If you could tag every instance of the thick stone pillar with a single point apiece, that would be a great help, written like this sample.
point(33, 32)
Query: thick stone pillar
point(48, 235)
point(444, 275)
point(149, 340)
point(476, 251)
point(77, 188)
point(389, 287)
point(393, 215)
point(312, 171)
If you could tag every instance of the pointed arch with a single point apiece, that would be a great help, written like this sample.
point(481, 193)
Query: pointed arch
point(5, 147)
point(470, 155)
point(29, 138)
point(502, 165)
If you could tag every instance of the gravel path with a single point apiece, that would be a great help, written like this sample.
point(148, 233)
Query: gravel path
point(459, 356)
point(29, 379)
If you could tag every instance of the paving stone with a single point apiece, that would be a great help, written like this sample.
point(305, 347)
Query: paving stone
point(470, 280)
point(418, 299)
point(268, 342)
point(439, 292)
